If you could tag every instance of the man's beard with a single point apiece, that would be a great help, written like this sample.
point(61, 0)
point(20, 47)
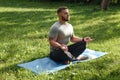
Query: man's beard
point(63, 18)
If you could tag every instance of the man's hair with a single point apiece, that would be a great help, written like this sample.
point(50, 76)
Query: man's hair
point(61, 8)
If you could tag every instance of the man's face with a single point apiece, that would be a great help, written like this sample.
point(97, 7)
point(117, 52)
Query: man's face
point(65, 16)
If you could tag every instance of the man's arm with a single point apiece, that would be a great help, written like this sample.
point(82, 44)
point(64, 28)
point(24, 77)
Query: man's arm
point(77, 39)
point(53, 43)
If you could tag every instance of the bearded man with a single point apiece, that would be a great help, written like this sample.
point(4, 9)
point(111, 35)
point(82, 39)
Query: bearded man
point(61, 33)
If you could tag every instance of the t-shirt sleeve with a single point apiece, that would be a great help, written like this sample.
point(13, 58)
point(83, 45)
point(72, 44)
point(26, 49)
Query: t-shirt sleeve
point(72, 30)
point(53, 32)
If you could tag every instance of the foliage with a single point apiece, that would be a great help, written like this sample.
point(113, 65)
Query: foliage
point(114, 1)
point(78, 1)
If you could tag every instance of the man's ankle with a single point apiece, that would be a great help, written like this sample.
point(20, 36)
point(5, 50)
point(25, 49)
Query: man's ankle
point(66, 62)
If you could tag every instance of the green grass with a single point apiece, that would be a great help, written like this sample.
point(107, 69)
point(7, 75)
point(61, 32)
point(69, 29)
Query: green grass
point(24, 28)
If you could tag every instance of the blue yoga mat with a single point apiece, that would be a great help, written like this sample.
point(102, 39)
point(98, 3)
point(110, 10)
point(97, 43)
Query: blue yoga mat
point(46, 65)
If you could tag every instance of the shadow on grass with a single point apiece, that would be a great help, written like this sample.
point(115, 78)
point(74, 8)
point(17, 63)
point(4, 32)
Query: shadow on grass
point(16, 24)
point(9, 69)
point(104, 24)
point(30, 4)
point(113, 75)
point(103, 32)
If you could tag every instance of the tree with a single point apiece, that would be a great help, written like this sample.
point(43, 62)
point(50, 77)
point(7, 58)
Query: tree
point(104, 4)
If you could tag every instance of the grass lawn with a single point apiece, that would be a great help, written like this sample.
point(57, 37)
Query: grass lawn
point(24, 28)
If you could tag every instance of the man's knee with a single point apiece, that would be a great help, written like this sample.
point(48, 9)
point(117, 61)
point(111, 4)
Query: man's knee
point(81, 43)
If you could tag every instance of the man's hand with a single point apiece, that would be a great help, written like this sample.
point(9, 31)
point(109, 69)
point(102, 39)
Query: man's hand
point(87, 39)
point(64, 47)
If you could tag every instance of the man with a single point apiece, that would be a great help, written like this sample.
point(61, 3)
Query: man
point(60, 34)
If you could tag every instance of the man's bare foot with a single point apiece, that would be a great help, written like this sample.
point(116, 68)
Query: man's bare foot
point(82, 57)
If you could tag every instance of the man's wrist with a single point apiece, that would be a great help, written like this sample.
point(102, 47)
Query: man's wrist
point(60, 46)
point(83, 39)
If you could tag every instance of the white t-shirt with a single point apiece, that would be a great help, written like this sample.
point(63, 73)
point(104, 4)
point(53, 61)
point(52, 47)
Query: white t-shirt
point(61, 33)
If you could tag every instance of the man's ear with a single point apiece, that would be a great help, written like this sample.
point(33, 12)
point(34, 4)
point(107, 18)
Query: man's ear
point(59, 14)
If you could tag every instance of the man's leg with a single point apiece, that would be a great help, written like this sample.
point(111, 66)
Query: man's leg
point(77, 48)
point(59, 56)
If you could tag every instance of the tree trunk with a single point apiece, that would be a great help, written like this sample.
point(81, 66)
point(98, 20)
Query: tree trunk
point(104, 4)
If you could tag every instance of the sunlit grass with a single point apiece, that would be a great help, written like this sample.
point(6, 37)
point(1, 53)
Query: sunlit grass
point(11, 9)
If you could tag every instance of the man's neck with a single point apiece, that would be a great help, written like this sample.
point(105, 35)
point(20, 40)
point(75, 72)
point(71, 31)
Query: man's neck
point(62, 22)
